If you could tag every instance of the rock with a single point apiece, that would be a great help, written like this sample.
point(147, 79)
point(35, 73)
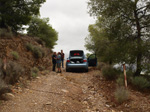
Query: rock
point(85, 103)
point(108, 106)
point(65, 91)
point(48, 103)
point(38, 77)
point(127, 106)
point(8, 96)
point(19, 89)
point(64, 102)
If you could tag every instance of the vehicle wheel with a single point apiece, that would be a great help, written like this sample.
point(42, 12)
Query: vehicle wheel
point(67, 70)
point(86, 70)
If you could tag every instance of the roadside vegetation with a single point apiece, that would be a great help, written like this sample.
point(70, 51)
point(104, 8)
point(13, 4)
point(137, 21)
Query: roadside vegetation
point(20, 51)
point(121, 34)
point(37, 51)
point(5, 33)
point(15, 55)
point(121, 95)
point(34, 72)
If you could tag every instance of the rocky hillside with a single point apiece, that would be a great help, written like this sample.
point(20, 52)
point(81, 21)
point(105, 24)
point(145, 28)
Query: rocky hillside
point(25, 52)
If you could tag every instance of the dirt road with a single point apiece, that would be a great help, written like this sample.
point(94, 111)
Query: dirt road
point(65, 92)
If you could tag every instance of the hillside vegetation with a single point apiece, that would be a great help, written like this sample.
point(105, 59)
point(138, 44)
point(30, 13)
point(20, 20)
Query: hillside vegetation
point(23, 55)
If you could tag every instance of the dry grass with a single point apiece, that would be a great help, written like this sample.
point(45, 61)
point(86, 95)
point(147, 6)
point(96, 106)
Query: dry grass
point(121, 95)
point(13, 72)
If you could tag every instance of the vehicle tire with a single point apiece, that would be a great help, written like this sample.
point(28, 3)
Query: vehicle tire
point(67, 70)
point(86, 70)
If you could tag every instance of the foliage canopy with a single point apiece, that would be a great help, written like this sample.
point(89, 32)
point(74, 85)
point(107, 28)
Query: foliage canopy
point(40, 28)
point(16, 13)
point(122, 31)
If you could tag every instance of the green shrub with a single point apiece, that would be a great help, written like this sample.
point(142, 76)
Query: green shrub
point(4, 33)
point(109, 73)
point(38, 52)
point(13, 72)
point(101, 65)
point(41, 68)
point(4, 88)
point(121, 95)
point(120, 80)
point(2, 84)
point(29, 47)
point(140, 83)
point(15, 55)
point(40, 41)
point(129, 76)
point(34, 75)
point(34, 72)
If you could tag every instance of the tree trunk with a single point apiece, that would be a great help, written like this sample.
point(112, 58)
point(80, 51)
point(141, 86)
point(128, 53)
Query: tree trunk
point(139, 46)
point(138, 64)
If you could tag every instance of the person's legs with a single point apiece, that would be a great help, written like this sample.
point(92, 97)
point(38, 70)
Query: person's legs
point(59, 67)
point(54, 66)
point(62, 63)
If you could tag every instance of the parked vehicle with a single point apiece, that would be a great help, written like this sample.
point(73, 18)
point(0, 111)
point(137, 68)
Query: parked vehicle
point(77, 60)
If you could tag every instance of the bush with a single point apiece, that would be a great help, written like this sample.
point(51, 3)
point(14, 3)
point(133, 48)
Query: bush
point(3, 88)
point(41, 68)
point(34, 75)
point(121, 95)
point(15, 55)
point(2, 84)
point(38, 52)
point(101, 65)
point(34, 72)
point(120, 80)
point(40, 41)
point(13, 72)
point(140, 83)
point(5, 33)
point(109, 73)
point(29, 47)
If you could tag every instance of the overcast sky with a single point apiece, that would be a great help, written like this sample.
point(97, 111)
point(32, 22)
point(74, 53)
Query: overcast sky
point(71, 20)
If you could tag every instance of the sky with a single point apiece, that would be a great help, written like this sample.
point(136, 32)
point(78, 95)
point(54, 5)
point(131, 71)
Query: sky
point(70, 19)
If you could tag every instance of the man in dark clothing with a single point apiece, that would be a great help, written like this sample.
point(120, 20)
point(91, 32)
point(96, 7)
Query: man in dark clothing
point(54, 59)
point(62, 58)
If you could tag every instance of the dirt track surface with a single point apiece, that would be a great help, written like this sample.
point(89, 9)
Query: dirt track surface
point(55, 92)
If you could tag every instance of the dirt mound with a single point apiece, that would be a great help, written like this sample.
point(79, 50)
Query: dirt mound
point(26, 58)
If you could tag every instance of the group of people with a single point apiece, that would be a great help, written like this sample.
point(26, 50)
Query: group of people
point(58, 59)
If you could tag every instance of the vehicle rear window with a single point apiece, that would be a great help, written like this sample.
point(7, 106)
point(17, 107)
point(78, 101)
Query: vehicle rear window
point(76, 53)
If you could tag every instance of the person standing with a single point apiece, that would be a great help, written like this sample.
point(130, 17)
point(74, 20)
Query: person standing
point(59, 62)
point(54, 59)
point(62, 58)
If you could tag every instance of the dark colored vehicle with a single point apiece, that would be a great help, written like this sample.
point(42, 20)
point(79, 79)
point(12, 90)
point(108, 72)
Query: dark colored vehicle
point(77, 60)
